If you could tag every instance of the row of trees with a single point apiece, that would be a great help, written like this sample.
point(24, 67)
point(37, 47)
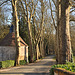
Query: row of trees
point(44, 25)
point(64, 51)
point(35, 28)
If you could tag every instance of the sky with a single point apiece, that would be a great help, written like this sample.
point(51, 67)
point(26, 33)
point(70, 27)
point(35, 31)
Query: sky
point(7, 9)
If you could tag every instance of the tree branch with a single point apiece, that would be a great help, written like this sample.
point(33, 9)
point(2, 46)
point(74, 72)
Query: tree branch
point(23, 9)
point(31, 11)
point(4, 2)
point(72, 11)
point(54, 4)
point(52, 15)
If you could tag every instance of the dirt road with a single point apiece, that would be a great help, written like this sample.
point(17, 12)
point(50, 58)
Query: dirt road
point(42, 67)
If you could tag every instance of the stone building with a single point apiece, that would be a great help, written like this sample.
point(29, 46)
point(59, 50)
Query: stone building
point(8, 49)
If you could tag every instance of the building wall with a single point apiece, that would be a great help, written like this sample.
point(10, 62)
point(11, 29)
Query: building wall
point(27, 53)
point(22, 53)
point(7, 53)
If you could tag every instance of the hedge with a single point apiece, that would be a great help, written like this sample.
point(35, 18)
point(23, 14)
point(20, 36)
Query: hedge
point(68, 66)
point(23, 62)
point(7, 63)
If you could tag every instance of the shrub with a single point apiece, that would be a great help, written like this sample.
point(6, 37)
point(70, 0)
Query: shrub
point(23, 62)
point(68, 66)
point(74, 58)
point(34, 58)
point(7, 63)
point(52, 71)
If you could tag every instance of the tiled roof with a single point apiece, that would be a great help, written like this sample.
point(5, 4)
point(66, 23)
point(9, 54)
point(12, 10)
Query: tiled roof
point(9, 40)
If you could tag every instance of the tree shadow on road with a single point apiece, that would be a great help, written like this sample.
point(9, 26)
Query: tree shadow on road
point(44, 63)
point(20, 73)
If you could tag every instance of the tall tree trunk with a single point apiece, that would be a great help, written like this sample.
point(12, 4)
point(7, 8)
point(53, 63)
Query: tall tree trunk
point(58, 29)
point(42, 22)
point(37, 49)
point(29, 30)
point(64, 34)
point(56, 36)
point(30, 41)
point(17, 40)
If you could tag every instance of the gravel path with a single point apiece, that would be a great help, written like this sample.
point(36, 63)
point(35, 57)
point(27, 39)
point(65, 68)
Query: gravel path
point(42, 67)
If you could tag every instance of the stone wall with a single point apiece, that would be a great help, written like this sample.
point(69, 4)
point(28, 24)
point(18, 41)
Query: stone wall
point(59, 71)
point(7, 53)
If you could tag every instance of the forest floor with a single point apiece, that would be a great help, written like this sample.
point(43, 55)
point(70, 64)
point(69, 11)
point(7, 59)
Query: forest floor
point(41, 67)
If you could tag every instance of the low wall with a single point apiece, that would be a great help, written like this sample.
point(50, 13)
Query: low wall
point(59, 71)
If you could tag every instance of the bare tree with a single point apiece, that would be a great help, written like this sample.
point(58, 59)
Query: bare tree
point(16, 25)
